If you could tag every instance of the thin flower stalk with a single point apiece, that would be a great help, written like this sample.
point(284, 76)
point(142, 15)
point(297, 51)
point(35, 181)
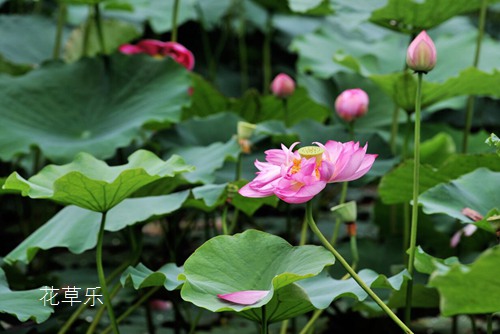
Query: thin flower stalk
point(470, 100)
point(349, 269)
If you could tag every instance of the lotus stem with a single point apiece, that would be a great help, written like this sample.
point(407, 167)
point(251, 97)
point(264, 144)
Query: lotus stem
point(61, 16)
point(242, 46)
point(102, 278)
point(470, 100)
point(174, 21)
point(489, 328)
point(266, 55)
point(351, 272)
point(100, 312)
point(338, 221)
point(414, 214)
point(100, 31)
point(132, 308)
point(264, 320)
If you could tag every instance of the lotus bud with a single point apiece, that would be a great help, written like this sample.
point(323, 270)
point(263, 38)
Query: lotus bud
point(352, 104)
point(347, 212)
point(421, 55)
point(283, 86)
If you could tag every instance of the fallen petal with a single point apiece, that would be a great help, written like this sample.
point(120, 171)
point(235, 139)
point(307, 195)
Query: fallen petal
point(247, 297)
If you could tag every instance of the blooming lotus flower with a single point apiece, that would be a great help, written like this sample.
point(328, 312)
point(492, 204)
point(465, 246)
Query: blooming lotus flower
point(298, 176)
point(282, 86)
point(352, 104)
point(161, 49)
point(467, 230)
point(421, 55)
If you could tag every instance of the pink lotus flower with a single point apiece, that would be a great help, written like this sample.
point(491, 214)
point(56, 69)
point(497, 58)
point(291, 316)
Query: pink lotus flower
point(296, 177)
point(161, 49)
point(247, 297)
point(282, 86)
point(352, 104)
point(421, 55)
point(467, 230)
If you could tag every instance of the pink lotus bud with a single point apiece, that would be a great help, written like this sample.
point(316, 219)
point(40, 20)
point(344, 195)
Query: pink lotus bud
point(352, 104)
point(283, 86)
point(421, 55)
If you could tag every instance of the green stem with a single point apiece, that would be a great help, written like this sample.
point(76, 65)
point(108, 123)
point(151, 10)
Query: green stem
point(102, 278)
point(132, 308)
point(470, 101)
point(100, 312)
point(311, 321)
point(354, 252)
point(149, 319)
point(414, 213)
point(61, 16)
point(338, 221)
point(86, 31)
point(266, 56)
point(264, 320)
point(224, 220)
point(351, 272)
point(100, 31)
point(175, 12)
point(194, 323)
point(473, 324)
point(242, 47)
point(284, 326)
point(394, 129)
point(83, 306)
point(285, 111)
point(489, 328)
point(406, 231)
point(207, 48)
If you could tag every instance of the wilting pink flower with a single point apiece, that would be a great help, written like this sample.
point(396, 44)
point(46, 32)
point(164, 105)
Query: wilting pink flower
point(282, 86)
point(157, 48)
point(296, 177)
point(467, 230)
point(352, 104)
point(421, 55)
point(247, 297)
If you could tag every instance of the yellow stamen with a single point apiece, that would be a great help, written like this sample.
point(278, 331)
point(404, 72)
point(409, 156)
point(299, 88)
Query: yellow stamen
point(296, 166)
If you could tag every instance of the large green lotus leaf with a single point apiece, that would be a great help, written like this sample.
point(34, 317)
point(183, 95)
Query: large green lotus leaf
point(27, 39)
point(65, 228)
point(158, 13)
point(333, 48)
point(199, 131)
point(436, 150)
point(209, 196)
point(397, 185)
point(89, 107)
point(310, 6)
point(300, 107)
point(206, 99)
point(251, 260)
point(402, 86)
point(115, 33)
point(478, 190)
point(207, 159)
point(24, 305)
point(141, 277)
point(323, 290)
point(411, 16)
point(91, 184)
point(467, 289)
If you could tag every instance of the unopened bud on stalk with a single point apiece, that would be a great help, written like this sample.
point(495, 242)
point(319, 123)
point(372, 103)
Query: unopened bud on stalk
point(352, 104)
point(421, 55)
point(282, 86)
point(347, 212)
